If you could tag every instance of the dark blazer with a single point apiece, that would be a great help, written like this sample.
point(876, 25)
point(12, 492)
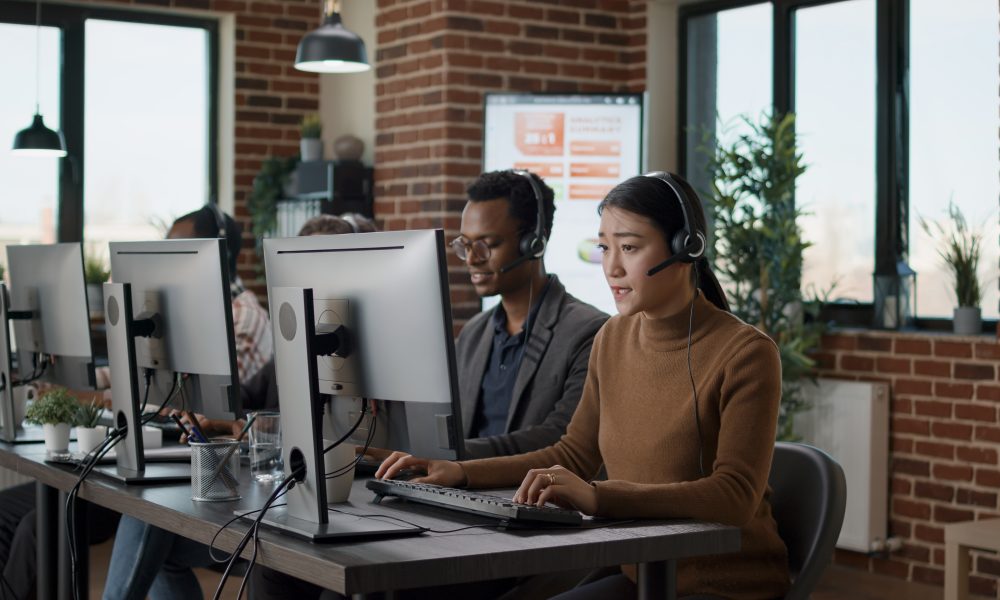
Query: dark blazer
point(550, 379)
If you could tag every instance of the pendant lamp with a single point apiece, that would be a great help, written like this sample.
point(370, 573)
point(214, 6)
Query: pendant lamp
point(332, 48)
point(37, 139)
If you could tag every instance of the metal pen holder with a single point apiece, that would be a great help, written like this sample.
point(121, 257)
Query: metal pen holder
point(215, 468)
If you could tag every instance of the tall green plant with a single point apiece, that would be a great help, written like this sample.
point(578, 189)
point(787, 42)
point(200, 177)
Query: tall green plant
point(961, 248)
point(759, 246)
point(268, 187)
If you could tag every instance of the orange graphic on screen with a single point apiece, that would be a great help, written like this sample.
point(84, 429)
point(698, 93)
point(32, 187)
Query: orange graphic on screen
point(542, 169)
point(589, 191)
point(594, 170)
point(595, 148)
point(539, 134)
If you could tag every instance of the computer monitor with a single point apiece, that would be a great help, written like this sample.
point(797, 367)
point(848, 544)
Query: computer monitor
point(168, 313)
point(47, 304)
point(359, 316)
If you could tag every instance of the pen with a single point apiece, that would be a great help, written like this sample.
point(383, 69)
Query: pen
point(197, 432)
point(181, 425)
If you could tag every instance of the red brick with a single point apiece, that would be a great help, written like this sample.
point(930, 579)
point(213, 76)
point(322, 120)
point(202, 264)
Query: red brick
point(982, 586)
point(988, 566)
point(987, 433)
point(901, 406)
point(528, 13)
point(955, 349)
point(899, 528)
point(988, 350)
point(932, 408)
point(850, 362)
point(934, 368)
point(987, 392)
point(973, 371)
point(917, 387)
point(988, 478)
point(953, 390)
point(908, 425)
point(927, 533)
point(975, 412)
point(874, 344)
point(911, 466)
point(900, 486)
point(915, 552)
point(976, 454)
point(912, 346)
point(935, 449)
point(955, 431)
point(928, 575)
point(886, 364)
point(953, 472)
point(933, 491)
point(944, 514)
point(839, 342)
point(976, 498)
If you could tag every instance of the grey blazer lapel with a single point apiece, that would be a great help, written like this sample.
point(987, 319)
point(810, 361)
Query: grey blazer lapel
point(472, 378)
point(538, 343)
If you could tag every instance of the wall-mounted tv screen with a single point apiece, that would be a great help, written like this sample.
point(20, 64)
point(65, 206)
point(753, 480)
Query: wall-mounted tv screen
point(581, 145)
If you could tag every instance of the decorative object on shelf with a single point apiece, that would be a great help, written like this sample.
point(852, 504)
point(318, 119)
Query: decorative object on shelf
point(89, 434)
point(758, 248)
point(95, 273)
point(332, 48)
point(37, 139)
point(311, 145)
point(895, 297)
point(56, 411)
point(961, 248)
point(348, 147)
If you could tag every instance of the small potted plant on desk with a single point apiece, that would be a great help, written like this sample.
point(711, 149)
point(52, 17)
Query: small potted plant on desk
point(311, 146)
point(89, 434)
point(961, 250)
point(95, 273)
point(56, 411)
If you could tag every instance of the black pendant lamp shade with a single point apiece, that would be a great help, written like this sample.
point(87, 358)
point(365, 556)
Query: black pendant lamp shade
point(39, 140)
point(332, 48)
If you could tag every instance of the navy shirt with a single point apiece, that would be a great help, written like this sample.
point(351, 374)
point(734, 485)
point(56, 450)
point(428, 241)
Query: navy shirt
point(497, 389)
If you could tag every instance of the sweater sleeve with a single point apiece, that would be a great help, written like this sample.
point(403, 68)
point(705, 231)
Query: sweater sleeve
point(731, 493)
point(577, 449)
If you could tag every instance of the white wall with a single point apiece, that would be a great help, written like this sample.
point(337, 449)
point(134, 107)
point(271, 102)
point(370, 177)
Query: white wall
point(347, 101)
point(661, 84)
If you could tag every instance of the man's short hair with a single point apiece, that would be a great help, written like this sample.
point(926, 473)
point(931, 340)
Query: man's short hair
point(517, 190)
point(203, 222)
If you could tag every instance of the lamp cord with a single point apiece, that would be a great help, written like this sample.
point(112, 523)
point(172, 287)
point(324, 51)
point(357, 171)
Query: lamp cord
point(38, 46)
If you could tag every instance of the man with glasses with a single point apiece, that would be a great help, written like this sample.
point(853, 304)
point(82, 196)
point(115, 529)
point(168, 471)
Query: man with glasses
point(521, 364)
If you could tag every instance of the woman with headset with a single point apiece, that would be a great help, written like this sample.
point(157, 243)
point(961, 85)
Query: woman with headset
point(680, 405)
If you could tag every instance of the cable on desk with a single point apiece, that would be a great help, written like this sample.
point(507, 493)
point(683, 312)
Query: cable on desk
point(211, 545)
point(361, 418)
point(147, 375)
point(170, 395)
point(348, 468)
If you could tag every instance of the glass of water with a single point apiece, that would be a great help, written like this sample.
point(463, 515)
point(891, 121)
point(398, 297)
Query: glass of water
point(265, 447)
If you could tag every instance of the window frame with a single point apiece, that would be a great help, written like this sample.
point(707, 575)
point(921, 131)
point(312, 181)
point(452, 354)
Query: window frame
point(891, 123)
point(71, 21)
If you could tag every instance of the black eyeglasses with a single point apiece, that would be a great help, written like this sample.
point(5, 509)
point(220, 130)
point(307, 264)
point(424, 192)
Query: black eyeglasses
point(479, 249)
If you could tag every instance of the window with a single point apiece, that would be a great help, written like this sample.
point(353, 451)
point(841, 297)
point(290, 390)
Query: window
point(135, 94)
point(30, 184)
point(953, 140)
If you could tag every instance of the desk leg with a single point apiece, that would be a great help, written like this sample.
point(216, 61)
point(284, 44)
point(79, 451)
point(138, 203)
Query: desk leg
point(657, 580)
point(82, 553)
point(956, 571)
point(47, 550)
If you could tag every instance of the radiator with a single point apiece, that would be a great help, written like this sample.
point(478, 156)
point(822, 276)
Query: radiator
point(9, 478)
point(850, 421)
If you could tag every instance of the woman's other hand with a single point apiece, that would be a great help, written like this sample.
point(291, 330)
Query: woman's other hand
point(439, 472)
point(559, 486)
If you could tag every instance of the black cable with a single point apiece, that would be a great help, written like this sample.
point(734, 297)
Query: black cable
point(364, 411)
point(36, 373)
point(349, 467)
point(694, 389)
point(170, 395)
point(148, 375)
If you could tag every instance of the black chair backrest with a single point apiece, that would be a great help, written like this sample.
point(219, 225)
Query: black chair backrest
point(809, 495)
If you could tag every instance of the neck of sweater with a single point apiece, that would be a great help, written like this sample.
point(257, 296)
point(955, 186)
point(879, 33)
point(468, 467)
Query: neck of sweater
point(671, 333)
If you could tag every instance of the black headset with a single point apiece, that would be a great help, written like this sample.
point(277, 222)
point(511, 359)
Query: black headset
point(220, 219)
point(532, 243)
point(688, 244)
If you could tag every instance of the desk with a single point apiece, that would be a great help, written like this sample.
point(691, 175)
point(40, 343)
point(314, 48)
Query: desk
point(362, 567)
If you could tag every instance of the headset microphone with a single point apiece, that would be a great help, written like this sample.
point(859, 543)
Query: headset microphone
point(517, 261)
point(686, 255)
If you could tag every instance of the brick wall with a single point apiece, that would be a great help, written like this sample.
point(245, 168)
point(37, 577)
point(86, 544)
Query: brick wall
point(436, 58)
point(944, 442)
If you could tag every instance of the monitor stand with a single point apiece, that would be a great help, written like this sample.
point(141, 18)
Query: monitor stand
point(130, 467)
point(295, 354)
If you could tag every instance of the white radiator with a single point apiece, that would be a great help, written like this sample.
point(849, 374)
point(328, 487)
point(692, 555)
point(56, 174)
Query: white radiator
point(9, 478)
point(850, 421)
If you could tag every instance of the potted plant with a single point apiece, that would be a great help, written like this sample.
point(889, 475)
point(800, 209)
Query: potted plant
point(55, 410)
point(89, 434)
point(95, 273)
point(961, 249)
point(311, 146)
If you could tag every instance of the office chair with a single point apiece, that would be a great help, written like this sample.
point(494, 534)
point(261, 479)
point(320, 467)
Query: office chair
point(808, 499)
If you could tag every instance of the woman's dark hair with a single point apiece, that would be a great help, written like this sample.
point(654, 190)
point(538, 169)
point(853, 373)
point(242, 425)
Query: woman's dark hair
point(652, 198)
point(517, 190)
point(206, 225)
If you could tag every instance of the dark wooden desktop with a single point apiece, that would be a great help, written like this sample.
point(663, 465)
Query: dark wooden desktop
point(361, 567)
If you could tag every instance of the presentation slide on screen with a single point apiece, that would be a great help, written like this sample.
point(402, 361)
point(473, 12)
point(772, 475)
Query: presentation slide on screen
point(581, 146)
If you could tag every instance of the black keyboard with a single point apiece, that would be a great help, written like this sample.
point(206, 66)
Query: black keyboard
point(486, 505)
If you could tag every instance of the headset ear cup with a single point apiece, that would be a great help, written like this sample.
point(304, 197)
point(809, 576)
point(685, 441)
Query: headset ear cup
point(678, 243)
point(531, 245)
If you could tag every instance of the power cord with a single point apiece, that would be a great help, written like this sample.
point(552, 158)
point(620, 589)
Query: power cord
point(694, 389)
point(148, 376)
point(170, 395)
point(39, 362)
point(368, 442)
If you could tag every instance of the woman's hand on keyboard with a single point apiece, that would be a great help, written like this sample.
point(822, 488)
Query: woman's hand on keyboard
point(557, 485)
point(439, 472)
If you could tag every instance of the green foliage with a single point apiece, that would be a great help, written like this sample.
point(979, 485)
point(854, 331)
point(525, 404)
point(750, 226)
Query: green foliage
point(268, 188)
point(312, 127)
point(53, 407)
point(88, 415)
point(3, 270)
point(759, 246)
point(95, 270)
point(961, 248)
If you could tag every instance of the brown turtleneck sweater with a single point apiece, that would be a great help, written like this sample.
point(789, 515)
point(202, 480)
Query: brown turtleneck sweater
point(636, 418)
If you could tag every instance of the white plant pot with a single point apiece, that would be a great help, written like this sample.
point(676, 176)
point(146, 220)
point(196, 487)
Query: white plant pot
point(56, 437)
point(88, 438)
point(968, 320)
point(311, 149)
